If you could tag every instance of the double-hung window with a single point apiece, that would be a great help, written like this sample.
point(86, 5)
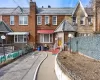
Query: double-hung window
point(20, 38)
point(0, 18)
point(46, 20)
point(90, 20)
point(54, 20)
point(11, 20)
point(46, 38)
point(82, 20)
point(39, 20)
point(23, 20)
point(74, 20)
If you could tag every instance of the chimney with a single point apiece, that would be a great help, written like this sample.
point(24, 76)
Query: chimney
point(42, 7)
point(32, 22)
point(49, 6)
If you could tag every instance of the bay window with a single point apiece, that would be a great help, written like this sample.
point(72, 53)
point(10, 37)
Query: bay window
point(46, 38)
point(20, 38)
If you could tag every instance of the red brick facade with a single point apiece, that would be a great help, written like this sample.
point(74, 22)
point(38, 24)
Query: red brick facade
point(32, 26)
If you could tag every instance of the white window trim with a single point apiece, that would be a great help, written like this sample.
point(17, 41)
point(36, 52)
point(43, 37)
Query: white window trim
point(52, 20)
point(1, 17)
point(90, 22)
point(10, 20)
point(48, 20)
point(83, 21)
point(17, 39)
point(49, 39)
point(23, 20)
point(38, 22)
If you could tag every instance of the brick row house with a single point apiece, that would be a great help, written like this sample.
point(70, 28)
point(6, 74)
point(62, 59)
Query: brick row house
point(39, 26)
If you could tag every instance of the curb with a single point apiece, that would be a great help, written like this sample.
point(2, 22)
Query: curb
point(35, 75)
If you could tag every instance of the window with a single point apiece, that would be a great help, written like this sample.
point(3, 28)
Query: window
point(46, 38)
point(90, 20)
point(74, 20)
point(54, 20)
point(82, 20)
point(20, 39)
point(46, 20)
point(0, 18)
point(23, 20)
point(39, 20)
point(11, 20)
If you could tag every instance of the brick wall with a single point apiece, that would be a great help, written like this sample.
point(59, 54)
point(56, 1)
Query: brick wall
point(31, 27)
point(60, 18)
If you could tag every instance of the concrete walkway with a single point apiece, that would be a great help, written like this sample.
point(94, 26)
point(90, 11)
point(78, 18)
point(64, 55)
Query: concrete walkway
point(46, 71)
point(25, 69)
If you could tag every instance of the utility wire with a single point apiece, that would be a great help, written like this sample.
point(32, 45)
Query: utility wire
point(15, 2)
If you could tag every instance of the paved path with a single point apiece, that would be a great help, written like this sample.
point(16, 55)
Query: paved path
point(46, 71)
point(23, 70)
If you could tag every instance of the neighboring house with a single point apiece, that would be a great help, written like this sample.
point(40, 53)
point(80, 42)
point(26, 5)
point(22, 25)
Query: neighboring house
point(4, 29)
point(83, 18)
point(37, 26)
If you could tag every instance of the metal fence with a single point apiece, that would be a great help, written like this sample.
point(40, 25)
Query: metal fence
point(15, 54)
point(89, 46)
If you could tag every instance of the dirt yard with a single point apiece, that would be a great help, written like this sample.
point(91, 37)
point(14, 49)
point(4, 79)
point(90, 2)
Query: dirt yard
point(84, 67)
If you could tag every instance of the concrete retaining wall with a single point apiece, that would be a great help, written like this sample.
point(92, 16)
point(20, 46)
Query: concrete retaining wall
point(59, 73)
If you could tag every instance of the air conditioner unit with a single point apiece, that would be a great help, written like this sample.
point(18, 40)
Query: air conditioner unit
point(90, 23)
point(47, 23)
point(74, 24)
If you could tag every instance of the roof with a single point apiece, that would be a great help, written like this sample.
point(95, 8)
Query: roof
point(79, 3)
point(56, 11)
point(14, 11)
point(89, 11)
point(41, 11)
point(4, 27)
point(65, 26)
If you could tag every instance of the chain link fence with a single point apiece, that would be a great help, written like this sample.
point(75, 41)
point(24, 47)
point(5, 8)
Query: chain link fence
point(89, 46)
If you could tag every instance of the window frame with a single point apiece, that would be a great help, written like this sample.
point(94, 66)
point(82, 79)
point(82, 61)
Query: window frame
point(53, 20)
point(82, 19)
point(49, 38)
point(23, 20)
point(39, 23)
point(1, 17)
point(46, 21)
point(12, 21)
point(18, 39)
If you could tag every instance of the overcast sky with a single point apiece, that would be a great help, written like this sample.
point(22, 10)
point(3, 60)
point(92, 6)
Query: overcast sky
point(45, 3)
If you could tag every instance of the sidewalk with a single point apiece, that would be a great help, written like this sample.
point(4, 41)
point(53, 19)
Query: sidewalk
point(46, 71)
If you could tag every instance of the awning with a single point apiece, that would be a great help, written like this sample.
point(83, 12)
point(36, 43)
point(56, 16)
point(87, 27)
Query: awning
point(45, 31)
point(18, 33)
